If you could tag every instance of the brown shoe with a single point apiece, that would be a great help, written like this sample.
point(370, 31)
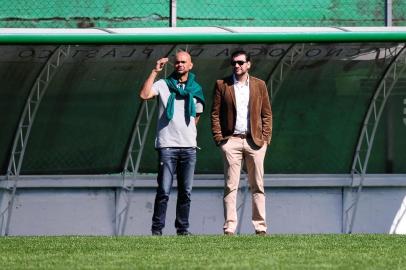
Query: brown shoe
point(228, 233)
point(260, 233)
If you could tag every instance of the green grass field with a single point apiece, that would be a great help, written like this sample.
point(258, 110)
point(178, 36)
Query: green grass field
point(205, 252)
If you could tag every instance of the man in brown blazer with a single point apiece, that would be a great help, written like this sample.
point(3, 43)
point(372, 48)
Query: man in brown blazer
point(241, 120)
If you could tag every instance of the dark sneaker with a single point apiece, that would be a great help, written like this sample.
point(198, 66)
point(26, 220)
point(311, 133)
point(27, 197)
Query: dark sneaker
point(184, 233)
point(157, 233)
point(229, 233)
point(260, 233)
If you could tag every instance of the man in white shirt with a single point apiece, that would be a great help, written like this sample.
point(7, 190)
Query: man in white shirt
point(181, 102)
point(241, 120)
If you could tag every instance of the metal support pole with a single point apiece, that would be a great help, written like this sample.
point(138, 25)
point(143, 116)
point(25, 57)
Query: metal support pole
point(137, 143)
point(388, 13)
point(367, 136)
point(281, 70)
point(27, 118)
point(172, 12)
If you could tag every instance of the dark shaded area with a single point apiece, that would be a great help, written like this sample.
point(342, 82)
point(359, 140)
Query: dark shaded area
point(85, 121)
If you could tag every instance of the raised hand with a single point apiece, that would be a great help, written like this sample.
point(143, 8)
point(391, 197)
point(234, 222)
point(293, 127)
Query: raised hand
point(160, 64)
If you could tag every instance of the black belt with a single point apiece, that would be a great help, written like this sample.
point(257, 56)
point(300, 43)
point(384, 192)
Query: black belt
point(242, 136)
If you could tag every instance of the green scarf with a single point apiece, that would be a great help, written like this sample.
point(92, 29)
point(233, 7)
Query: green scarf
point(192, 89)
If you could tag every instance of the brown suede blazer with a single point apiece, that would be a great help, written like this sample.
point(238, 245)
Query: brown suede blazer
point(224, 114)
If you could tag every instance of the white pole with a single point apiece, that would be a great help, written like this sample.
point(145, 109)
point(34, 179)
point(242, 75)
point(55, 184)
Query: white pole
point(172, 8)
point(388, 11)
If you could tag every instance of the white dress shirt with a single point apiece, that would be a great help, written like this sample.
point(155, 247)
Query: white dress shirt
point(242, 97)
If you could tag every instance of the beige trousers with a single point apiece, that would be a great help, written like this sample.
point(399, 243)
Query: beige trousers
point(234, 151)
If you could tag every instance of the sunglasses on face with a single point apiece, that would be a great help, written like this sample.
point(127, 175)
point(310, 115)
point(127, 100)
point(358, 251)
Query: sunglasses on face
point(240, 63)
point(180, 62)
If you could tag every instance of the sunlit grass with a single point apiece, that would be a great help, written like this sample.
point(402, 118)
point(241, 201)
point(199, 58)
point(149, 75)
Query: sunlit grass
point(205, 252)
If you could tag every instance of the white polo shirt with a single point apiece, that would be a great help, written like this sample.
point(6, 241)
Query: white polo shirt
point(177, 132)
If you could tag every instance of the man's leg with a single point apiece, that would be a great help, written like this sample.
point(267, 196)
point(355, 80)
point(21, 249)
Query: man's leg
point(232, 155)
point(167, 166)
point(254, 157)
point(185, 174)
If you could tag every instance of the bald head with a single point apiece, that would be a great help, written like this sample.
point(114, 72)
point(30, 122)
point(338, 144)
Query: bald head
point(183, 63)
point(184, 54)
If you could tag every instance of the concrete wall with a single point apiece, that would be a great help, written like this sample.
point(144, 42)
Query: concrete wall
point(295, 204)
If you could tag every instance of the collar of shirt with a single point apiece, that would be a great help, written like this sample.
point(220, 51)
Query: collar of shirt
point(181, 84)
point(246, 83)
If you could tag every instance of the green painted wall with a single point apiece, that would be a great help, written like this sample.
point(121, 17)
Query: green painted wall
point(156, 13)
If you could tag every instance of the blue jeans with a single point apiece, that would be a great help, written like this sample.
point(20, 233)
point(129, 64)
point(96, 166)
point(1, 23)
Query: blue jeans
point(181, 161)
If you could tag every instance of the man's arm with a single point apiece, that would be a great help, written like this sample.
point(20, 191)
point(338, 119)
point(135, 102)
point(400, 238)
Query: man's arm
point(215, 115)
point(197, 118)
point(146, 90)
point(266, 115)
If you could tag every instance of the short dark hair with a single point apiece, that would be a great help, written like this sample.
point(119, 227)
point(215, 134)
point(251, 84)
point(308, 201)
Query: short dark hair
point(241, 52)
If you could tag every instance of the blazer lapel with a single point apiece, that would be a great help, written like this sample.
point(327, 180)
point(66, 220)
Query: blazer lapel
point(230, 89)
point(253, 88)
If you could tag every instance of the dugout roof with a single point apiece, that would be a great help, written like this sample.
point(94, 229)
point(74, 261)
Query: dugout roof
point(69, 97)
